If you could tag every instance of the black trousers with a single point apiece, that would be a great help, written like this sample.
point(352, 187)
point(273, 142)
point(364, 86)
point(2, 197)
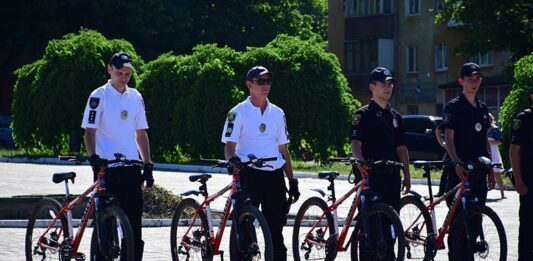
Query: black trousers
point(478, 187)
point(386, 182)
point(525, 229)
point(125, 184)
point(267, 190)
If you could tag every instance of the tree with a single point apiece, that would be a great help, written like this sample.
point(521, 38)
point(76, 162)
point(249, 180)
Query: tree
point(516, 101)
point(51, 93)
point(493, 25)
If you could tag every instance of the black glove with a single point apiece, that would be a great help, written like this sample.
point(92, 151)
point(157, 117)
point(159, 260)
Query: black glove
point(233, 161)
point(96, 162)
point(147, 174)
point(293, 189)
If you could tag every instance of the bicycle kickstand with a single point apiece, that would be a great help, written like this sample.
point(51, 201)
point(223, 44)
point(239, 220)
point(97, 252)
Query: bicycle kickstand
point(221, 255)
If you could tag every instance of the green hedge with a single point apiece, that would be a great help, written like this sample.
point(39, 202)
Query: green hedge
point(517, 101)
point(187, 97)
point(50, 94)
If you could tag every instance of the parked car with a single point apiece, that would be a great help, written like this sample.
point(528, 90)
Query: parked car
point(6, 133)
point(420, 137)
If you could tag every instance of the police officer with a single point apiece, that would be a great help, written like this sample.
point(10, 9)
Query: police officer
point(115, 122)
point(256, 126)
point(377, 134)
point(521, 155)
point(466, 121)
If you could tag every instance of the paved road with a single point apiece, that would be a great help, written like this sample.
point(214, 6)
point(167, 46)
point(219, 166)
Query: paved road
point(24, 179)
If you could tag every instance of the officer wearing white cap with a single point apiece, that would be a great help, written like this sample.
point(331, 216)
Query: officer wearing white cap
point(521, 155)
point(466, 121)
point(256, 126)
point(115, 122)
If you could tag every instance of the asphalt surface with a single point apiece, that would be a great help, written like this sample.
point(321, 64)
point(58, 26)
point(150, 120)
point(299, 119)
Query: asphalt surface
point(24, 179)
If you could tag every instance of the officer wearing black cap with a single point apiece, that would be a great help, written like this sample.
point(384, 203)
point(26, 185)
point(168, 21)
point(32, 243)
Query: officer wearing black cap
point(377, 134)
point(115, 122)
point(521, 155)
point(466, 121)
point(256, 126)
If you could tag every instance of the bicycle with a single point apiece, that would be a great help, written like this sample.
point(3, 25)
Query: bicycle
point(462, 221)
point(50, 230)
point(192, 234)
point(322, 240)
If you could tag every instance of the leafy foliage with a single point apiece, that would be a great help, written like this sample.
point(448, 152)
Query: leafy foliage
point(517, 101)
point(493, 25)
point(187, 97)
point(50, 94)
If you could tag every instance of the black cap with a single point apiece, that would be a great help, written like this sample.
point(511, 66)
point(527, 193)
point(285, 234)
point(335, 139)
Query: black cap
point(380, 74)
point(121, 59)
point(469, 69)
point(256, 72)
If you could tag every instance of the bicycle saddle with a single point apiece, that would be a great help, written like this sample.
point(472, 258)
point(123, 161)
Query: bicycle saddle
point(202, 177)
point(62, 176)
point(328, 174)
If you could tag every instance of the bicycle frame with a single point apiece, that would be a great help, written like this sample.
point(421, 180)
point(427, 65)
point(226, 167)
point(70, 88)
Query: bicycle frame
point(359, 198)
point(67, 209)
point(234, 186)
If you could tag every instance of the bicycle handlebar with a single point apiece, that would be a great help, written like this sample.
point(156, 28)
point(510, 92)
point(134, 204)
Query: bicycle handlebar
point(119, 159)
point(258, 162)
point(370, 163)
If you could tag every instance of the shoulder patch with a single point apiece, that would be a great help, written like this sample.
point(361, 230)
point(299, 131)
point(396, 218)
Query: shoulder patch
point(231, 116)
point(516, 124)
point(446, 117)
point(93, 102)
point(356, 119)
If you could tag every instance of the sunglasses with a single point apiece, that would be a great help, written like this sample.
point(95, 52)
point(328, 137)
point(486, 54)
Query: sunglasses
point(262, 81)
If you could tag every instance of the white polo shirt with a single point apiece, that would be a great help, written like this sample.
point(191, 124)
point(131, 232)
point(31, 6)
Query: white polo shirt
point(116, 117)
point(256, 133)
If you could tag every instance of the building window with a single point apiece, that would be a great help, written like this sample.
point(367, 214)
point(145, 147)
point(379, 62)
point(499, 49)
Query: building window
point(441, 62)
point(412, 7)
point(361, 56)
point(367, 7)
point(483, 60)
point(411, 60)
point(439, 5)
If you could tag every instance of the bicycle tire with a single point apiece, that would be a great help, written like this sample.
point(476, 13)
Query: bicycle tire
point(39, 221)
point(304, 222)
point(492, 228)
point(180, 224)
point(250, 216)
point(115, 219)
point(381, 250)
point(418, 233)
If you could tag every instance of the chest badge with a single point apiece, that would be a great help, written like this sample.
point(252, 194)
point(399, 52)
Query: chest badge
point(395, 123)
point(262, 127)
point(478, 127)
point(124, 114)
point(378, 114)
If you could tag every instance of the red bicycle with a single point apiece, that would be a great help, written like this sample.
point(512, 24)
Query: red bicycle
point(475, 230)
point(377, 233)
point(50, 230)
point(192, 234)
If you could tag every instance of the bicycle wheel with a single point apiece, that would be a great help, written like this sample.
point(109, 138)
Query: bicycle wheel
point(311, 233)
point(488, 239)
point(189, 233)
point(254, 235)
point(384, 240)
point(41, 244)
point(419, 241)
point(117, 237)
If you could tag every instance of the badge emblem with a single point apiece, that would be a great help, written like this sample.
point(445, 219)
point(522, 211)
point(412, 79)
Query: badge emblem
point(231, 116)
point(379, 114)
point(124, 114)
point(93, 102)
point(262, 127)
point(356, 119)
point(477, 127)
point(395, 123)
point(516, 124)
